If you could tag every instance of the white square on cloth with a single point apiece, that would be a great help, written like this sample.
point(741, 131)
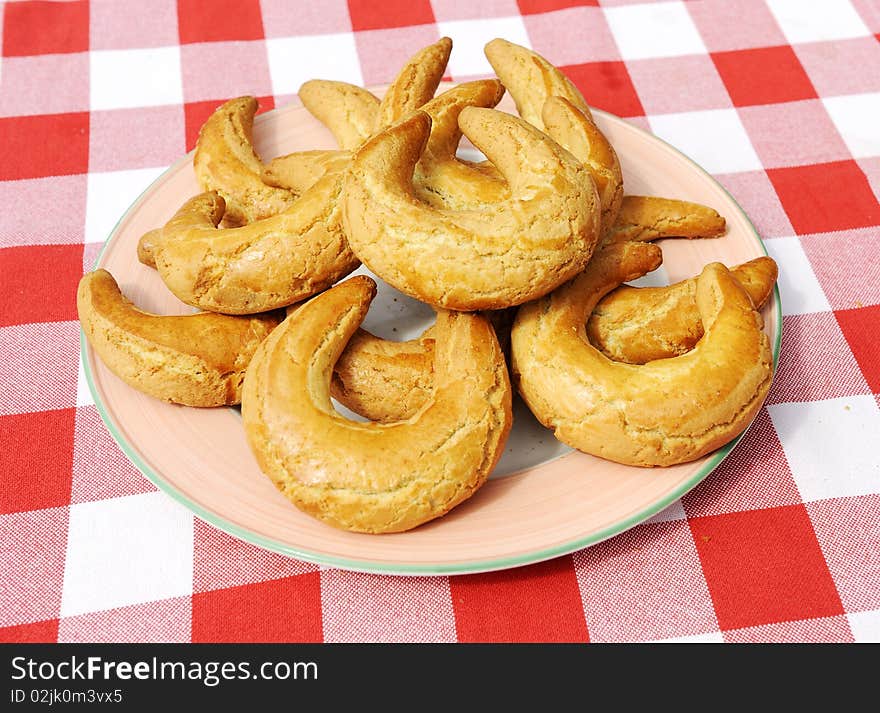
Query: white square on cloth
point(799, 289)
point(121, 79)
point(295, 60)
point(125, 551)
point(856, 118)
point(716, 139)
point(865, 626)
point(817, 20)
point(831, 445)
point(469, 37)
point(654, 30)
point(108, 196)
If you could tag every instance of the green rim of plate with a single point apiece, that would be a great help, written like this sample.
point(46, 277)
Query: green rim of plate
point(471, 567)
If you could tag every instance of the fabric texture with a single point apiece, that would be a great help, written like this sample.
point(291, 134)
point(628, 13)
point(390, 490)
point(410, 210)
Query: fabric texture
point(778, 99)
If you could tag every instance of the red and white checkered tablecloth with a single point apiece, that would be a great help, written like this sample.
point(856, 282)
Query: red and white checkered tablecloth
point(778, 99)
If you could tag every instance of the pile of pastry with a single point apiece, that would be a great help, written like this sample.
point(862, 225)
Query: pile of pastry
point(522, 257)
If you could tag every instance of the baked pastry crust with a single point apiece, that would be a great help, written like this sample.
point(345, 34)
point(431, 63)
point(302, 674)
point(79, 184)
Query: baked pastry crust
point(258, 267)
point(656, 414)
point(531, 80)
point(389, 381)
point(640, 324)
point(194, 360)
point(414, 84)
point(370, 477)
point(496, 256)
point(349, 111)
point(225, 161)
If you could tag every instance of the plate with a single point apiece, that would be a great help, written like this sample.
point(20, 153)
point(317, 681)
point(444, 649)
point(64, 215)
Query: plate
point(543, 500)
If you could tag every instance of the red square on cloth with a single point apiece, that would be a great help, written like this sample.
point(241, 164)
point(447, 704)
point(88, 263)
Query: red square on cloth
point(197, 113)
point(607, 86)
point(538, 603)
point(767, 75)
point(370, 15)
point(764, 566)
point(532, 7)
point(826, 196)
point(39, 283)
point(44, 145)
point(218, 20)
point(31, 28)
point(861, 327)
point(281, 610)
point(36, 460)
point(40, 632)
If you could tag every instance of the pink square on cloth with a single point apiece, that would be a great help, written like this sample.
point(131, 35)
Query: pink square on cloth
point(213, 70)
point(445, 10)
point(848, 530)
point(311, 18)
point(832, 66)
point(755, 194)
point(755, 475)
point(166, 620)
point(572, 36)
point(32, 555)
point(645, 584)
point(721, 24)
point(62, 214)
point(832, 256)
point(100, 469)
point(221, 560)
point(793, 134)
point(136, 138)
point(822, 630)
point(383, 52)
point(121, 25)
point(45, 84)
point(359, 607)
point(815, 361)
point(673, 84)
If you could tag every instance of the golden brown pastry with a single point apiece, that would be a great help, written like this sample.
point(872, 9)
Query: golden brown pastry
point(531, 80)
point(641, 324)
point(349, 111)
point(370, 477)
point(389, 381)
point(656, 414)
point(195, 360)
point(268, 264)
point(651, 218)
point(440, 179)
point(499, 255)
point(576, 132)
point(225, 161)
point(415, 84)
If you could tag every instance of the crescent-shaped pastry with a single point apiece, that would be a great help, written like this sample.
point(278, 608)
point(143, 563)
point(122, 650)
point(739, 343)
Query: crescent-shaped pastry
point(349, 111)
point(194, 360)
point(641, 324)
point(225, 161)
point(389, 381)
point(650, 218)
point(499, 255)
point(370, 477)
point(656, 414)
point(415, 84)
point(576, 132)
point(268, 264)
point(440, 179)
point(531, 80)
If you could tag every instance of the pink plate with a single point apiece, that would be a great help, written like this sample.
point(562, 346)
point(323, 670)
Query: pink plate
point(549, 500)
